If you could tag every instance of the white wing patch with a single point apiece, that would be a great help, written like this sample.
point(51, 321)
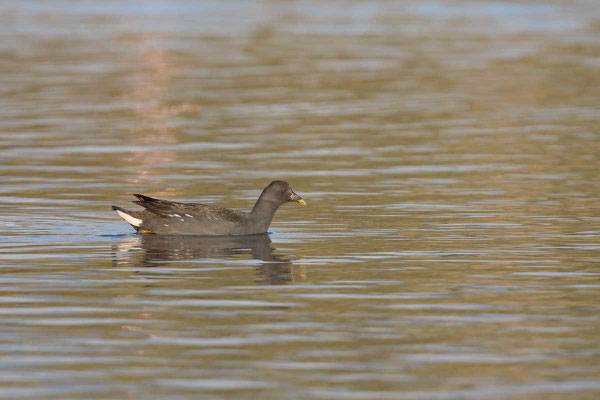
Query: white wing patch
point(131, 220)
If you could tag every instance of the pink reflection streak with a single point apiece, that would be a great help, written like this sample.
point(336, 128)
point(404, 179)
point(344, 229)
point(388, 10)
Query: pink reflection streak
point(151, 81)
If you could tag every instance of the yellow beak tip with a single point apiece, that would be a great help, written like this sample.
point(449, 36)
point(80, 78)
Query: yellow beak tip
point(301, 201)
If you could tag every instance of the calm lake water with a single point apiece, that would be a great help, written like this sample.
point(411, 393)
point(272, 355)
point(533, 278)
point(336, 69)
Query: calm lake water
point(449, 152)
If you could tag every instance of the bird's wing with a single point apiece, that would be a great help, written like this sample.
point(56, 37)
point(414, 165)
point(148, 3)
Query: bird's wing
point(194, 216)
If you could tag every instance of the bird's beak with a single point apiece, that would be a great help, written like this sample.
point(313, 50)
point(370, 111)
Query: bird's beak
point(297, 199)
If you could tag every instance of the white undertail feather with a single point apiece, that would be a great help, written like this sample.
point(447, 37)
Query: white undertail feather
point(132, 220)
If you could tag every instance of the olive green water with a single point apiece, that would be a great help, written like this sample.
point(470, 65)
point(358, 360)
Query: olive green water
point(449, 153)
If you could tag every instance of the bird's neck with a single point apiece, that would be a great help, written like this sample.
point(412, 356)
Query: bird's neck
point(263, 211)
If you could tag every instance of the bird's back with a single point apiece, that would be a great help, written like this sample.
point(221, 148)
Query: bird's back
point(175, 218)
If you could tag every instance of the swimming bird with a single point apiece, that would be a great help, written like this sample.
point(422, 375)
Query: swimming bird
point(164, 217)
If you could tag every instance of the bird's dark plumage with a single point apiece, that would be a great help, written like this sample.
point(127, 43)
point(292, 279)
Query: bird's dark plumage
point(164, 217)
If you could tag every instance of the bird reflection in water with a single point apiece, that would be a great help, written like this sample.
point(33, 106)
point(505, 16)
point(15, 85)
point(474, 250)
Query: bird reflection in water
point(154, 251)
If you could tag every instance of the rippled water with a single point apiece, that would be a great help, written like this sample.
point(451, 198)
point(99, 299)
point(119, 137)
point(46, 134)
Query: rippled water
point(449, 153)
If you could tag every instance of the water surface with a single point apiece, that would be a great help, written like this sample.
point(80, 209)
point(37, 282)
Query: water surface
point(449, 153)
